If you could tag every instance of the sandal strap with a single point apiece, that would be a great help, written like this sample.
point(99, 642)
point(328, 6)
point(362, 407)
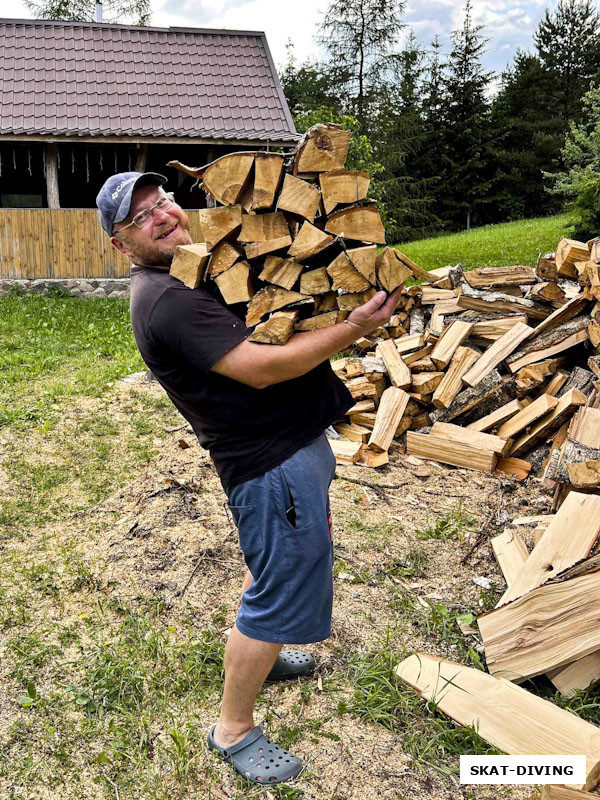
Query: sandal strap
point(247, 740)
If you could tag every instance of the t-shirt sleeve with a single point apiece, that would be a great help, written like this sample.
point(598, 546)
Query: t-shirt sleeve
point(195, 326)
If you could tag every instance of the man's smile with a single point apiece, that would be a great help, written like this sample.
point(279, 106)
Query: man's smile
point(166, 234)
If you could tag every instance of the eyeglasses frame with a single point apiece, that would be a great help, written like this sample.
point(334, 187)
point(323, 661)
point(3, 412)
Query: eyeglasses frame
point(167, 195)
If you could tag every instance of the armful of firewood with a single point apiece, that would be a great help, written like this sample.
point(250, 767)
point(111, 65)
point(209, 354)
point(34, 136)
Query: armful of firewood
point(259, 365)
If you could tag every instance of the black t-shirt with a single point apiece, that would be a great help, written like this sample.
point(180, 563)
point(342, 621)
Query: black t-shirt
point(181, 333)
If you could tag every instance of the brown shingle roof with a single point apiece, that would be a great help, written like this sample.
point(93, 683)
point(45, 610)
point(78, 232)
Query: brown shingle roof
point(94, 79)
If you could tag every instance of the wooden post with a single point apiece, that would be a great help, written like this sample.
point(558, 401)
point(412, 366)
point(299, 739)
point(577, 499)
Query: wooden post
point(52, 175)
point(140, 161)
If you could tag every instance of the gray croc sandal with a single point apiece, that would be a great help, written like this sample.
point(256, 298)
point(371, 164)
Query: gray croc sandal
point(257, 759)
point(291, 664)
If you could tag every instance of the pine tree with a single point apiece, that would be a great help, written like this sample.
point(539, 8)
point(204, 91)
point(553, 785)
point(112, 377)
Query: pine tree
point(359, 36)
point(568, 46)
point(134, 12)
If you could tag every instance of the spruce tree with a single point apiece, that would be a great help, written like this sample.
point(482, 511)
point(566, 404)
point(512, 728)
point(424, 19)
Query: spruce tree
point(469, 165)
point(307, 86)
point(360, 37)
point(568, 45)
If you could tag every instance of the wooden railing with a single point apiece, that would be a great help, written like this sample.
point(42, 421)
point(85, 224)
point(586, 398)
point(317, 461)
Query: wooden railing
point(64, 243)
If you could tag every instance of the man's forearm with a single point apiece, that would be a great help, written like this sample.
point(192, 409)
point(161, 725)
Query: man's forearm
point(304, 351)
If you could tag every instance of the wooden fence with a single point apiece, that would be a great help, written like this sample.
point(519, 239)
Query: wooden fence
point(63, 243)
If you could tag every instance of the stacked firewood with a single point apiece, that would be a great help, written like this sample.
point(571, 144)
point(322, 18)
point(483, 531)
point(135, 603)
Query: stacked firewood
point(492, 371)
point(292, 244)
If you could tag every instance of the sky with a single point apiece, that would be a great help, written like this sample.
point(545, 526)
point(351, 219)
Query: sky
point(509, 24)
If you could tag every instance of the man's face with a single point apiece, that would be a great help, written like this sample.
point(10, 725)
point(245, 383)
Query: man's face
point(154, 244)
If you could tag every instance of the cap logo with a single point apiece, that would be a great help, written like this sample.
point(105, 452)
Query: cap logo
point(120, 187)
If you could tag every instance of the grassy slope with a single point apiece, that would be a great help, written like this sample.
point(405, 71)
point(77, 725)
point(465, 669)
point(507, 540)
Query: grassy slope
point(490, 246)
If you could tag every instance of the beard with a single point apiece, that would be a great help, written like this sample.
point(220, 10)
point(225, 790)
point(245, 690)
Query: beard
point(159, 253)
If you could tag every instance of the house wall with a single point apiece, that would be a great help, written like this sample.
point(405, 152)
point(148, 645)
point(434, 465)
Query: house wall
point(63, 243)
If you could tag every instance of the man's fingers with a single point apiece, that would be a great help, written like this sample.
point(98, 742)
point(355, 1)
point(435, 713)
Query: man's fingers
point(375, 303)
point(391, 302)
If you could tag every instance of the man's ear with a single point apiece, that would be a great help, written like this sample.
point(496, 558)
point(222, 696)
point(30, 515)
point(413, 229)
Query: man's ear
point(119, 245)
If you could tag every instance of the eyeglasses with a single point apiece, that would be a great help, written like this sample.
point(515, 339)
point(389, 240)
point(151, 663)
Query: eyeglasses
point(143, 218)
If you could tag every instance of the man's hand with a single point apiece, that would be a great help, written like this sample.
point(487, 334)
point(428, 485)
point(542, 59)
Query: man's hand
point(374, 313)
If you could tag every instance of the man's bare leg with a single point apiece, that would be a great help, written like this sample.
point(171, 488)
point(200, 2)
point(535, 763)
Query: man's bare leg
point(247, 664)
point(247, 581)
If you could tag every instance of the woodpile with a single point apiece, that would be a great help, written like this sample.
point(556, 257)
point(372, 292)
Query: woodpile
point(292, 244)
point(501, 368)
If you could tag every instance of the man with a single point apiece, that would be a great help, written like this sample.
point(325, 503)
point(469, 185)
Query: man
point(261, 412)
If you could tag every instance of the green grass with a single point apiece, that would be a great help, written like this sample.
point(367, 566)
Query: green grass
point(75, 347)
point(492, 245)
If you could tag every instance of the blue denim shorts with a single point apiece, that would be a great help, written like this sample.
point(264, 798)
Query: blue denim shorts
point(284, 525)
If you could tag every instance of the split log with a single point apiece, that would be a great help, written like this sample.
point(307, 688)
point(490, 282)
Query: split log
point(189, 264)
point(498, 416)
point(457, 454)
point(222, 257)
point(515, 467)
point(345, 276)
point(268, 168)
point(560, 792)
point(594, 364)
point(511, 553)
point(566, 312)
point(323, 148)
point(529, 377)
point(315, 281)
point(557, 382)
point(568, 539)
point(510, 718)
point(325, 302)
point(496, 353)
point(485, 441)
point(263, 227)
point(282, 272)
point(488, 331)
point(345, 452)
point(451, 384)
point(417, 321)
point(259, 249)
point(309, 241)
point(527, 416)
point(217, 224)
point(411, 342)
point(299, 197)
point(343, 186)
point(410, 359)
point(425, 382)
point(478, 300)
point(568, 252)
point(391, 410)
point(473, 403)
point(544, 428)
point(553, 625)
point(419, 274)
point(318, 321)
point(353, 432)
point(235, 284)
point(226, 177)
point(450, 340)
point(275, 330)
point(577, 676)
point(581, 379)
point(364, 260)
point(348, 302)
point(391, 270)
point(270, 299)
point(398, 372)
point(357, 222)
point(560, 336)
point(546, 267)
point(549, 291)
point(499, 276)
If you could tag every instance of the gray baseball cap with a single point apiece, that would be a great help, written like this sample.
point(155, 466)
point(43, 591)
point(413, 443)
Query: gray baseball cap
point(114, 198)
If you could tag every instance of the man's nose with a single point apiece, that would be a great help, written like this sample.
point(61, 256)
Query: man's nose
point(160, 215)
